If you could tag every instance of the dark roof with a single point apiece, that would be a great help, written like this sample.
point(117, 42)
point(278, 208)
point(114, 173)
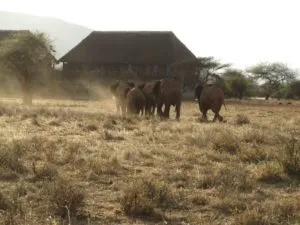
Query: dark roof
point(7, 33)
point(129, 47)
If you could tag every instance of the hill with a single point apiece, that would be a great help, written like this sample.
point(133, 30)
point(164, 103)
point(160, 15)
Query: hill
point(64, 35)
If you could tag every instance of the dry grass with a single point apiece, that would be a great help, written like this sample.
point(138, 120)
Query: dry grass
point(79, 162)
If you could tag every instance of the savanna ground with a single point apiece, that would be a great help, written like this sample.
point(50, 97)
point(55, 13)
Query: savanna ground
point(78, 162)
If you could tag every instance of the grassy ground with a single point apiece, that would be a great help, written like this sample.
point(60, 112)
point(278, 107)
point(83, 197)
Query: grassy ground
point(78, 162)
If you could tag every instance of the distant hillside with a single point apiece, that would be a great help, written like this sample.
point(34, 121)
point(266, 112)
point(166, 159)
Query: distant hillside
point(64, 35)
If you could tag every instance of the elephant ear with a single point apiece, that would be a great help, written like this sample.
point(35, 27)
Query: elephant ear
point(198, 90)
point(141, 86)
point(156, 88)
point(126, 91)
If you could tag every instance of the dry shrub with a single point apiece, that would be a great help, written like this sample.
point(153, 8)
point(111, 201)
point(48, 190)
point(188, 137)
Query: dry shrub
point(63, 197)
point(46, 172)
point(10, 159)
point(8, 175)
point(196, 139)
point(241, 119)
point(90, 127)
point(255, 136)
point(271, 172)
point(226, 142)
point(228, 179)
point(108, 167)
point(13, 211)
point(200, 200)
point(230, 205)
point(284, 211)
point(142, 197)
point(110, 137)
point(4, 202)
point(253, 155)
point(291, 157)
point(62, 152)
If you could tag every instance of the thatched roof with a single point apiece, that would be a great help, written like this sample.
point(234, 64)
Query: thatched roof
point(129, 47)
point(7, 33)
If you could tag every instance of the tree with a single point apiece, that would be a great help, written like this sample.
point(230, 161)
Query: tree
point(273, 75)
point(205, 68)
point(236, 82)
point(293, 89)
point(28, 56)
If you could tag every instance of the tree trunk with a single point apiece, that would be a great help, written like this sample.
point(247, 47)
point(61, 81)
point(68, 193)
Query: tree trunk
point(27, 92)
point(267, 97)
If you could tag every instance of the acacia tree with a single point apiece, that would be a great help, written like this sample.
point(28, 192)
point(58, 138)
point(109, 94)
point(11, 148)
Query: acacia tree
point(27, 55)
point(205, 68)
point(236, 82)
point(273, 75)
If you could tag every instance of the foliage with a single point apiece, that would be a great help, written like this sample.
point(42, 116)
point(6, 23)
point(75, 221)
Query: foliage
point(272, 75)
point(236, 83)
point(293, 89)
point(205, 68)
point(27, 55)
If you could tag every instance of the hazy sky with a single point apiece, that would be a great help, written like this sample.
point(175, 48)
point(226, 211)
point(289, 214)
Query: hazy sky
point(241, 32)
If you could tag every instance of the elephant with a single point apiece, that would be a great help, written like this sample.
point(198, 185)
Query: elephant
point(135, 100)
point(168, 93)
point(119, 90)
point(148, 90)
point(209, 97)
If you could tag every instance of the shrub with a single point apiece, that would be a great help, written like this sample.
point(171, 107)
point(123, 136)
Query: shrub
point(141, 198)
point(226, 142)
point(271, 173)
point(241, 119)
point(64, 197)
point(10, 159)
point(291, 157)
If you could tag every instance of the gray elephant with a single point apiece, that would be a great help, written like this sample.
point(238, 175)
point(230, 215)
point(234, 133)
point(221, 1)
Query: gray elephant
point(119, 89)
point(148, 90)
point(135, 100)
point(168, 93)
point(210, 97)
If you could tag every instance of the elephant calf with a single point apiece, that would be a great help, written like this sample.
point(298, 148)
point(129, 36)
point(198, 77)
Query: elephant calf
point(135, 101)
point(119, 90)
point(209, 97)
point(148, 90)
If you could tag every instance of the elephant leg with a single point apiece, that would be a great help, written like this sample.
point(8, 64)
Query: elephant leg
point(177, 107)
point(153, 109)
point(167, 111)
point(123, 109)
point(204, 115)
point(220, 118)
point(159, 109)
point(215, 117)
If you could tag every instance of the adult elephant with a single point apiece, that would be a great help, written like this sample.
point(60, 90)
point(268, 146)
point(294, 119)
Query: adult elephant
point(209, 97)
point(135, 100)
point(119, 89)
point(148, 90)
point(168, 93)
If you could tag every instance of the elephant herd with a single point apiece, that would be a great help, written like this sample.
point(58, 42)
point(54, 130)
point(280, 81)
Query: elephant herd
point(147, 97)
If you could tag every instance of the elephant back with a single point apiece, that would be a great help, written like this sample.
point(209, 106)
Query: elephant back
point(170, 90)
point(211, 94)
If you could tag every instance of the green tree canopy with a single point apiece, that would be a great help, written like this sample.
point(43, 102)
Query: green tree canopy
point(273, 75)
point(205, 68)
point(27, 55)
point(293, 89)
point(236, 82)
